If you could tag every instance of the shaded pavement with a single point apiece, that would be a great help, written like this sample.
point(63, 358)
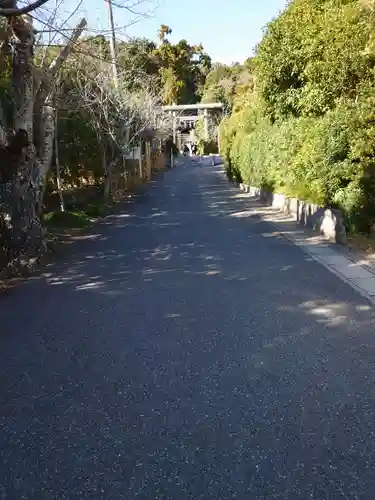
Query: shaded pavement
point(186, 351)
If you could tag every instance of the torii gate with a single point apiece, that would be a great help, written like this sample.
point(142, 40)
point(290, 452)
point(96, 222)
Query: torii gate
point(177, 113)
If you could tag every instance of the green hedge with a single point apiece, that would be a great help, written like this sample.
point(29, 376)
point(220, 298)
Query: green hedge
point(327, 160)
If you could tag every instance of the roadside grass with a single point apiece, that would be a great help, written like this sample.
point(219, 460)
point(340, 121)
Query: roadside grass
point(56, 221)
point(63, 227)
point(76, 217)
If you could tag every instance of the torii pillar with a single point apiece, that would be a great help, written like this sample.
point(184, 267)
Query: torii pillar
point(205, 123)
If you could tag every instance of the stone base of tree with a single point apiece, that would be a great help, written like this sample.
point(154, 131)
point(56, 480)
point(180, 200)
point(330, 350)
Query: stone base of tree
point(327, 222)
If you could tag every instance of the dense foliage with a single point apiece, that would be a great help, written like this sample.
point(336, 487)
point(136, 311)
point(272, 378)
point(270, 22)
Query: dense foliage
point(307, 125)
point(223, 83)
point(179, 70)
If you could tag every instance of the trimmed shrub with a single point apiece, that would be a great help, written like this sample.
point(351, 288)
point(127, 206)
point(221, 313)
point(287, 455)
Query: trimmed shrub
point(327, 160)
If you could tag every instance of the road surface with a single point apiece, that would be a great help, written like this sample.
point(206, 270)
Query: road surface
point(185, 351)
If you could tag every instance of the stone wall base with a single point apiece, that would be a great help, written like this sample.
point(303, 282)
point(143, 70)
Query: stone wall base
point(327, 222)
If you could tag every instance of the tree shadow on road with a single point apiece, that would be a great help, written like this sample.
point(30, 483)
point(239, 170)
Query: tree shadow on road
point(217, 249)
point(215, 329)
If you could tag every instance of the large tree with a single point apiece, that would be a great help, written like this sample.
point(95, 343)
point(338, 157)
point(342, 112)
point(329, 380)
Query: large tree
point(26, 133)
point(183, 69)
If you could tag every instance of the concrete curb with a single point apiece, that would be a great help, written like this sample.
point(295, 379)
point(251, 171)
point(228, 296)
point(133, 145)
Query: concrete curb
point(358, 276)
point(332, 256)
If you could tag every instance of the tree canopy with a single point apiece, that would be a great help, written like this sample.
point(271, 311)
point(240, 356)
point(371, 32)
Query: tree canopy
point(179, 70)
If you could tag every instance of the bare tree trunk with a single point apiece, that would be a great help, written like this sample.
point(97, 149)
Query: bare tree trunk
point(58, 169)
point(46, 149)
point(148, 160)
point(45, 90)
point(23, 82)
point(27, 232)
point(107, 180)
point(140, 161)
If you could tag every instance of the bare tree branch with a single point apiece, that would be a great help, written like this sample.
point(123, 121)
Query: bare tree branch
point(118, 116)
point(65, 51)
point(14, 11)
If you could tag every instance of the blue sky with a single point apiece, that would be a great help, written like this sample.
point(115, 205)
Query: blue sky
point(228, 30)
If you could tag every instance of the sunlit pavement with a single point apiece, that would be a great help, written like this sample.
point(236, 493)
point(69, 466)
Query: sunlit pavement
point(185, 352)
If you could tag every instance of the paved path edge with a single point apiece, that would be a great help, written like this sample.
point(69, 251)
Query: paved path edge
point(336, 258)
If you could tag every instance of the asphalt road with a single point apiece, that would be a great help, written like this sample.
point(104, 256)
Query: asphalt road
point(186, 351)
